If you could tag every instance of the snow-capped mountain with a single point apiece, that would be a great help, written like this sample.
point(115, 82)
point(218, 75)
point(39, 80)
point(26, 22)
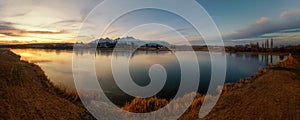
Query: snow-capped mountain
point(129, 41)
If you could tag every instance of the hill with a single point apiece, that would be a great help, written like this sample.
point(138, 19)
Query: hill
point(26, 93)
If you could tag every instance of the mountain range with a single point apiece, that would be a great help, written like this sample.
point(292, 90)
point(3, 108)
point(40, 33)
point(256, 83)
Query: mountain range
point(130, 41)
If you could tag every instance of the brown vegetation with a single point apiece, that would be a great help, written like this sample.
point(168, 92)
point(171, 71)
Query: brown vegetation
point(141, 105)
point(274, 95)
point(26, 93)
point(271, 93)
point(291, 63)
point(145, 105)
point(69, 95)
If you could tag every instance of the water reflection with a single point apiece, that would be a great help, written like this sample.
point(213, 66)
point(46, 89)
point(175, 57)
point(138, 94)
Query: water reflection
point(57, 65)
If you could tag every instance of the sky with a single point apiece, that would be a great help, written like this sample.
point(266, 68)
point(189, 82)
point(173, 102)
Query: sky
point(239, 21)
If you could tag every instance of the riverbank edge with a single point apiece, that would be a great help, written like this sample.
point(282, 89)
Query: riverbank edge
point(46, 84)
point(73, 97)
point(290, 63)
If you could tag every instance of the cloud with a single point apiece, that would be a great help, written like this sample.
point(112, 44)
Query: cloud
point(262, 20)
point(288, 20)
point(89, 6)
point(16, 32)
point(8, 29)
point(10, 8)
point(5, 25)
point(42, 32)
point(68, 22)
point(112, 32)
point(290, 31)
point(16, 41)
point(289, 13)
point(43, 20)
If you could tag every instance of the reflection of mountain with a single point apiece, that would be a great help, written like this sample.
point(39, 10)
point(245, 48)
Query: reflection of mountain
point(123, 53)
point(105, 42)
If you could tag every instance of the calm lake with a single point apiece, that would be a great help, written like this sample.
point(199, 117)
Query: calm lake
point(57, 65)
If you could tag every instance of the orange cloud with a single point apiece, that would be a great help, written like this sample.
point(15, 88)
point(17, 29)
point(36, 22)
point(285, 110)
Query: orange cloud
point(262, 20)
point(15, 32)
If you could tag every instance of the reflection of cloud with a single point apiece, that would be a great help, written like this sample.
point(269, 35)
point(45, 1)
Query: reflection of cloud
point(40, 61)
point(289, 20)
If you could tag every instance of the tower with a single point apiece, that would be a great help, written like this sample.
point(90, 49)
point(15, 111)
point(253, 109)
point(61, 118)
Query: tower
point(257, 46)
point(272, 45)
point(267, 43)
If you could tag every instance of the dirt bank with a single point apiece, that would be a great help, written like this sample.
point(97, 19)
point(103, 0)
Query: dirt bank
point(272, 94)
point(26, 93)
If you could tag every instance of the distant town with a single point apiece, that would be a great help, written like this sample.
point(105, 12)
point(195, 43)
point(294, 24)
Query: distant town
point(263, 46)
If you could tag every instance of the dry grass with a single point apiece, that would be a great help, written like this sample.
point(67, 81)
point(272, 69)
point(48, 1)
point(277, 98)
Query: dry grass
point(144, 105)
point(272, 94)
point(26, 93)
point(74, 96)
point(69, 95)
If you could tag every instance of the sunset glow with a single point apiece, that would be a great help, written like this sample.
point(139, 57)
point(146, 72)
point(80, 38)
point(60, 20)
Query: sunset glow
point(60, 21)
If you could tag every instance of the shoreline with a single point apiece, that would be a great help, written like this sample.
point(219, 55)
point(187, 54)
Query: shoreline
point(73, 100)
point(262, 53)
point(246, 96)
point(26, 93)
point(164, 50)
point(264, 94)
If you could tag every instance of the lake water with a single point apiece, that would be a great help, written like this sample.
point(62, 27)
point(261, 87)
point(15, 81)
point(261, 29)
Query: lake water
point(57, 65)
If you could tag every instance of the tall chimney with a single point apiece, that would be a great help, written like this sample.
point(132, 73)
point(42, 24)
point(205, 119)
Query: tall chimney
point(268, 46)
point(272, 44)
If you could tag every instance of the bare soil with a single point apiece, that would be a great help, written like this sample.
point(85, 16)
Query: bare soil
point(274, 95)
point(26, 93)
